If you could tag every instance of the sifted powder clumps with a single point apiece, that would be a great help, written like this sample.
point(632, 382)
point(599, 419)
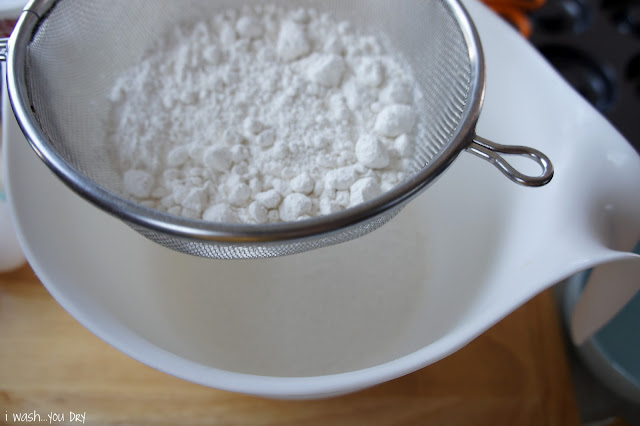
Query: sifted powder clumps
point(262, 115)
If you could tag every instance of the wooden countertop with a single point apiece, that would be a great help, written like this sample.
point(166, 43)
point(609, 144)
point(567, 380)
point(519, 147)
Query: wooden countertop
point(514, 374)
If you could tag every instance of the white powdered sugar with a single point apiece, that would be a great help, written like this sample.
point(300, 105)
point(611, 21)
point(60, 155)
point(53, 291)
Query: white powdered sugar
point(263, 115)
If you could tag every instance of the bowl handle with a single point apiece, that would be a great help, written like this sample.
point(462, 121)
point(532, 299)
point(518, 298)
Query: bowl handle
point(490, 151)
point(610, 174)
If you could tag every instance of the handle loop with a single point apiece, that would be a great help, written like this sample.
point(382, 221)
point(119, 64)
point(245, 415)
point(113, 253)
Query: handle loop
point(490, 151)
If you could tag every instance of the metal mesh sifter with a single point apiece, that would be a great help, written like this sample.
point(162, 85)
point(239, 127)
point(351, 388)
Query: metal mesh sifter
point(64, 56)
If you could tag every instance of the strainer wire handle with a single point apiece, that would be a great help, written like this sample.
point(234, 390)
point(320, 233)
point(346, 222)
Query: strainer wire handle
point(491, 151)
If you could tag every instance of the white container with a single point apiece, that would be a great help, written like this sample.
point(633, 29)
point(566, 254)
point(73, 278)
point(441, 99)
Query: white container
point(460, 257)
point(10, 9)
point(11, 256)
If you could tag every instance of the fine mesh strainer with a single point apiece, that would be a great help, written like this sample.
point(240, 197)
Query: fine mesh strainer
point(64, 56)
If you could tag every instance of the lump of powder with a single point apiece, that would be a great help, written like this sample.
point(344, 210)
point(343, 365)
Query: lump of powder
point(263, 114)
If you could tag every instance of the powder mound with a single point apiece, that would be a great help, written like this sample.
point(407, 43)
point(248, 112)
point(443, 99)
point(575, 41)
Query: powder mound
point(263, 114)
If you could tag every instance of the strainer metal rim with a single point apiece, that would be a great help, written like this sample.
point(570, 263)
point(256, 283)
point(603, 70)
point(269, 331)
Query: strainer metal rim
point(225, 233)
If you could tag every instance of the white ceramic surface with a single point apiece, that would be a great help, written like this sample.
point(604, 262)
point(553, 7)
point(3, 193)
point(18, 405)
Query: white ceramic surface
point(11, 256)
point(10, 9)
point(463, 255)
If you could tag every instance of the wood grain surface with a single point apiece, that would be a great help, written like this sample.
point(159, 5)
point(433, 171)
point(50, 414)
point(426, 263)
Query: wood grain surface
point(514, 374)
